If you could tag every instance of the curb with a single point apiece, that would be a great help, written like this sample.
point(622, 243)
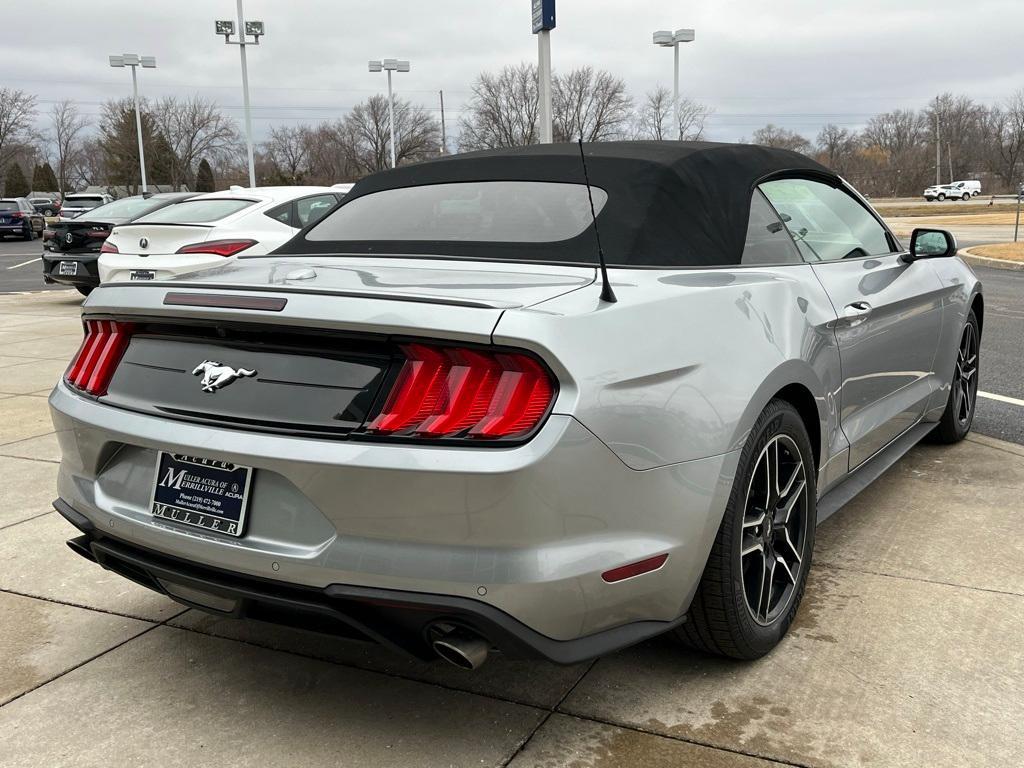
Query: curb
point(985, 261)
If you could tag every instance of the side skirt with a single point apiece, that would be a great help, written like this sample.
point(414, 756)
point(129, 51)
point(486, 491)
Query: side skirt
point(870, 470)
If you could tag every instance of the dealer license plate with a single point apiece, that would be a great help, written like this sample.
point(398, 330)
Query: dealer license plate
point(204, 493)
point(67, 268)
point(142, 274)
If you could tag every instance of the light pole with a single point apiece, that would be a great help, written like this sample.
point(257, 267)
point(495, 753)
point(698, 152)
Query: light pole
point(667, 39)
point(543, 23)
point(246, 29)
point(133, 60)
point(389, 66)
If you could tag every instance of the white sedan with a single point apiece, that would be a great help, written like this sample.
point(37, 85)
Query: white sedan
point(205, 231)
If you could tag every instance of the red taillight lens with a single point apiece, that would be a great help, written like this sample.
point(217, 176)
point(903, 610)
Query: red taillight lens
point(94, 365)
point(108, 247)
point(97, 233)
point(466, 393)
point(218, 247)
point(16, 215)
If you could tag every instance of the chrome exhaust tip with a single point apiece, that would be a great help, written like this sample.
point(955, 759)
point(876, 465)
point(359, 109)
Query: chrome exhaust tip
point(461, 648)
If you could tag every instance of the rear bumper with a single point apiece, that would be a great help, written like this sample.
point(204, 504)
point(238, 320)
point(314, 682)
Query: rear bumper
point(395, 619)
point(88, 270)
point(525, 531)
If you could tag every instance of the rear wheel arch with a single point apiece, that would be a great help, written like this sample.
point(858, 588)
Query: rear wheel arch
point(978, 305)
point(802, 400)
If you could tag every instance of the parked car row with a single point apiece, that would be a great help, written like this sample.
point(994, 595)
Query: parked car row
point(150, 237)
point(957, 190)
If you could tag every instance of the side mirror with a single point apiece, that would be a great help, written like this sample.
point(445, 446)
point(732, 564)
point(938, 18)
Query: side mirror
point(930, 244)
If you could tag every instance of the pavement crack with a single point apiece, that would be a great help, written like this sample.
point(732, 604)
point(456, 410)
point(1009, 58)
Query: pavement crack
point(819, 564)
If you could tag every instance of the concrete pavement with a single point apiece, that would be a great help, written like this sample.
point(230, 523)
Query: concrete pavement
point(906, 650)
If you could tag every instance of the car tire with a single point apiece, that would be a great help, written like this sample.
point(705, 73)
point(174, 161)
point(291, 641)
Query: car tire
point(723, 618)
point(29, 233)
point(47, 212)
point(958, 417)
point(940, 197)
point(966, 196)
point(85, 290)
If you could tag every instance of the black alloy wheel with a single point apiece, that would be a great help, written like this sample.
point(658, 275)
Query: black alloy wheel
point(757, 570)
point(772, 547)
point(958, 417)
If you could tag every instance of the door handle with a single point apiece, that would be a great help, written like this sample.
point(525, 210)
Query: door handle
point(856, 312)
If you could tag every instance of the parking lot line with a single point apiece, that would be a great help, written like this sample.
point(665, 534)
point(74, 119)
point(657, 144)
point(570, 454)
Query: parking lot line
point(24, 263)
point(1001, 398)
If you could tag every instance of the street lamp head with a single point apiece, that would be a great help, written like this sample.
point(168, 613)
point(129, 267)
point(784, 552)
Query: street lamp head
point(683, 36)
point(226, 28)
point(663, 38)
point(130, 59)
point(391, 64)
point(403, 66)
point(255, 28)
point(375, 66)
point(149, 62)
point(117, 61)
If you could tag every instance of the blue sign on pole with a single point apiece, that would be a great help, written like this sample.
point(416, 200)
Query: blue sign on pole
point(543, 15)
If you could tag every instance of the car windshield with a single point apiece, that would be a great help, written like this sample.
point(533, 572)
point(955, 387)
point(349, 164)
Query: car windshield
point(196, 211)
point(82, 202)
point(481, 211)
point(7, 205)
point(128, 208)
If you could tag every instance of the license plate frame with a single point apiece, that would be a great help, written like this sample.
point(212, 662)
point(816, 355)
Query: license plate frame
point(215, 497)
point(142, 274)
point(67, 268)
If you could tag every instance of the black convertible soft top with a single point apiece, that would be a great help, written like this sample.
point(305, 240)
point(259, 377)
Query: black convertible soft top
point(670, 204)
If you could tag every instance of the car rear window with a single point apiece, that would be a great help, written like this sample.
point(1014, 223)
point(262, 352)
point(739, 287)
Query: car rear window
point(8, 206)
point(478, 211)
point(127, 208)
point(83, 202)
point(196, 211)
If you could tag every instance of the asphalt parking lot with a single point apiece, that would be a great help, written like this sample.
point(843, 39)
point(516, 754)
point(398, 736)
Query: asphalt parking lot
point(906, 650)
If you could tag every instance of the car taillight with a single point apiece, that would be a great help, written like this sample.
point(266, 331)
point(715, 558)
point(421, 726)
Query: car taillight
point(97, 233)
point(108, 247)
point(456, 392)
point(48, 234)
point(16, 215)
point(102, 348)
point(218, 247)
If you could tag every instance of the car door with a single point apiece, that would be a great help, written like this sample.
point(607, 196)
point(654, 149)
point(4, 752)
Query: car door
point(888, 313)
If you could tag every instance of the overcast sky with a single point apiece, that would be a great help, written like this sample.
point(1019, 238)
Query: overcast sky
point(797, 63)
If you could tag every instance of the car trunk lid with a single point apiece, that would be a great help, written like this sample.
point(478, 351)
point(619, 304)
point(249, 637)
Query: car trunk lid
point(160, 239)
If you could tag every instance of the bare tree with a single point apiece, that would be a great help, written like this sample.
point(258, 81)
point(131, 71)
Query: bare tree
point(17, 113)
point(1004, 139)
point(194, 128)
point(590, 104)
point(287, 149)
point(837, 148)
point(503, 109)
point(333, 152)
point(654, 119)
point(418, 134)
point(68, 126)
point(783, 138)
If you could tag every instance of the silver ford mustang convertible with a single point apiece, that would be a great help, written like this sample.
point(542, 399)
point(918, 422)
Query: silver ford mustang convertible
point(549, 401)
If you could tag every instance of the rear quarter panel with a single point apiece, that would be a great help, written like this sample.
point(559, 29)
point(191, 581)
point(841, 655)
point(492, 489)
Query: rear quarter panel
point(680, 367)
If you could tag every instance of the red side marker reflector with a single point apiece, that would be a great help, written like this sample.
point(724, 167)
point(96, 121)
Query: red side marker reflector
point(634, 569)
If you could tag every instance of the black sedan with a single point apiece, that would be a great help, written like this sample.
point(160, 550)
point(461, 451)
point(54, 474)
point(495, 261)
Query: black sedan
point(72, 247)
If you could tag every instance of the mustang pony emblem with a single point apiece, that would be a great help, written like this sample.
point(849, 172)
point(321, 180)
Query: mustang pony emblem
point(216, 375)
